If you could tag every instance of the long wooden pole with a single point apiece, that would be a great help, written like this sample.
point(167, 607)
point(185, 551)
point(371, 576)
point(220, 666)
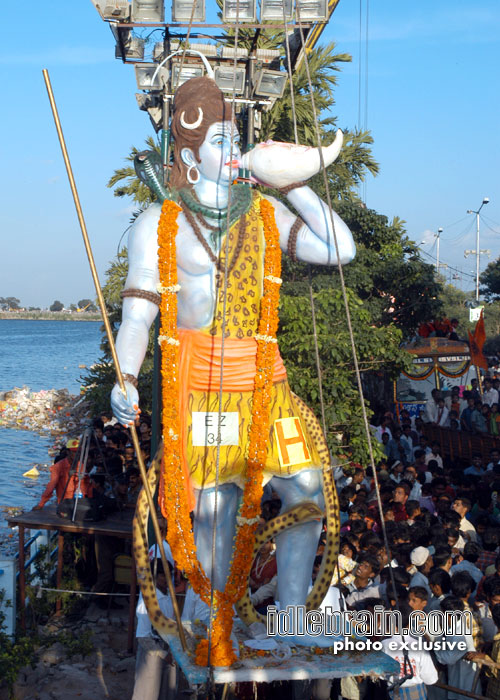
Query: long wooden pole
point(109, 333)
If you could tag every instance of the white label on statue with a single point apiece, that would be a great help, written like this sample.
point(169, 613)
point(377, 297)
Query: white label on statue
point(205, 428)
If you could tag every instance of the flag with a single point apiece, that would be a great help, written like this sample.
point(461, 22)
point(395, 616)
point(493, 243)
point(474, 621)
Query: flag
point(476, 343)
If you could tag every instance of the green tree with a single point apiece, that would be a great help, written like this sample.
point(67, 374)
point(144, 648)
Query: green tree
point(56, 306)
point(378, 350)
point(9, 303)
point(86, 305)
point(490, 279)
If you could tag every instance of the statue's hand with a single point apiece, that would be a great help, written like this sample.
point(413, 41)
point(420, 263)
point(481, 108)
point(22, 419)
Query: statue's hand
point(278, 164)
point(125, 408)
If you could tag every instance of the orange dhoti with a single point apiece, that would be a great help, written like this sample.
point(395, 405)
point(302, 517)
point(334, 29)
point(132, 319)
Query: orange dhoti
point(290, 447)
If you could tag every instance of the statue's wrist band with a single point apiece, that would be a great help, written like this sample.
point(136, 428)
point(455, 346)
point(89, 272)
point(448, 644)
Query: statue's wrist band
point(293, 186)
point(131, 380)
point(142, 294)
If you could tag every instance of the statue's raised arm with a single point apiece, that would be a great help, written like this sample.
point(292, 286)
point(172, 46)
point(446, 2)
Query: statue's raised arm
point(216, 281)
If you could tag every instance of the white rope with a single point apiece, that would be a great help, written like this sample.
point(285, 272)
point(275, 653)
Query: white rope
point(223, 330)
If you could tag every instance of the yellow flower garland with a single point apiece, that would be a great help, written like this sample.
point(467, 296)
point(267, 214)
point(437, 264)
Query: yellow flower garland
point(173, 489)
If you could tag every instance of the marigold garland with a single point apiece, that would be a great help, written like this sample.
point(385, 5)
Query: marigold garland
point(173, 488)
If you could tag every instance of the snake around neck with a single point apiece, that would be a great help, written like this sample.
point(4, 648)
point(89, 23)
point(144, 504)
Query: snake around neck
point(149, 169)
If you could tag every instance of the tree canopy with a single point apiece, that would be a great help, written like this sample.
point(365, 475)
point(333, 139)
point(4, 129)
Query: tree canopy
point(490, 279)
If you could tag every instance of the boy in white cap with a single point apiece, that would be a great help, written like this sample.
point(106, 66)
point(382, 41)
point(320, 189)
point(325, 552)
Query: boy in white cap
point(421, 559)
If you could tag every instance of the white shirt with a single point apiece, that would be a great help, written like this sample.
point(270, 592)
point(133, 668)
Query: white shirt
point(430, 412)
point(144, 628)
point(423, 669)
point(490, 397)
point(467, 527)
point(379, 431)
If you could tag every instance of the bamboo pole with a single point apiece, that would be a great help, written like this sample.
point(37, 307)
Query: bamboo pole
point(109, 333)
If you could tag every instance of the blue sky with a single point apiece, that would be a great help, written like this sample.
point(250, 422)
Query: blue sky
point(433, 105)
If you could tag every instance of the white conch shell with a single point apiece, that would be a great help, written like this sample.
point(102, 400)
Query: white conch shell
point(280, 164)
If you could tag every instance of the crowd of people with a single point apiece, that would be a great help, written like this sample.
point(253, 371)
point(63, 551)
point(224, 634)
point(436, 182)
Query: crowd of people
point(440, 518)
point(471, 410)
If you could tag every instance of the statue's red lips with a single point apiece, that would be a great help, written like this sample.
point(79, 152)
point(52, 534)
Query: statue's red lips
point(234, 163)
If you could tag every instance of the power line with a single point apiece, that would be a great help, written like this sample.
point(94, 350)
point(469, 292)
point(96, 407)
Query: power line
point(483, 219)
point(450, 267)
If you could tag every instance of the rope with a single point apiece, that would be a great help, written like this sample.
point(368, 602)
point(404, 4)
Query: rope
point(211, 682)
point(290, 75)
point(349, 325)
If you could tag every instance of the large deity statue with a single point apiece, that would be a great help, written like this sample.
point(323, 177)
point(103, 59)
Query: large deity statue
point(211, 262)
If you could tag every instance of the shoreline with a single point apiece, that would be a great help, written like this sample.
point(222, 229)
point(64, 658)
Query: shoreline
point(49, 316)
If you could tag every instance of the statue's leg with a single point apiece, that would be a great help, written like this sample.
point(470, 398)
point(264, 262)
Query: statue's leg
point(204, 512)
point(296, 547)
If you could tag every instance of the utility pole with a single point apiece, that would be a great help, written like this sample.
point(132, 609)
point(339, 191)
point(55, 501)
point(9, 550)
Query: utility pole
point(478, 251)
point(438, 236)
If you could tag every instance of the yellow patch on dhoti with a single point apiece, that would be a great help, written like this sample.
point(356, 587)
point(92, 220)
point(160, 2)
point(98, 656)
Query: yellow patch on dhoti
point(291, 442)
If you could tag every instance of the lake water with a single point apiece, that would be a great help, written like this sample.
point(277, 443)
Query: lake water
point(40, 355)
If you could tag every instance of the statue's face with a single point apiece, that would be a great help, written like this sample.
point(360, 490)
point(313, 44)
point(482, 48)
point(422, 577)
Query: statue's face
point(218, 163)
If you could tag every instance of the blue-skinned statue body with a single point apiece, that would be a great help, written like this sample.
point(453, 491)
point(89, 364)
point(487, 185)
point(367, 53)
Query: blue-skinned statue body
point(207, 156)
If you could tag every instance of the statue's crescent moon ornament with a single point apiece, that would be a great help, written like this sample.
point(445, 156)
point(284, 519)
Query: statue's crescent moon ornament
point(193, 125)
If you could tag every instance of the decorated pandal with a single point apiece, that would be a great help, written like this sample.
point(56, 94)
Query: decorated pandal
point(231, 424)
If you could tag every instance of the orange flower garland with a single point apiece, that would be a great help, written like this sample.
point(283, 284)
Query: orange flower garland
point(173, 490)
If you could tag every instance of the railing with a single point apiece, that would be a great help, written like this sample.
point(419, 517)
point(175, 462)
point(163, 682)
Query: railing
point(9, 574)
point(460, 445)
